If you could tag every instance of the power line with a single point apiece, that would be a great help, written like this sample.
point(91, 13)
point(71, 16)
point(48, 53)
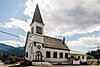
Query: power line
point(9, 34)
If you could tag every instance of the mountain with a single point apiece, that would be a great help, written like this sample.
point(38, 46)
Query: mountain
point(6, 49)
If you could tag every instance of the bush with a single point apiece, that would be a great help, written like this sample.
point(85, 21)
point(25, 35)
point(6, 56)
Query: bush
point(10, 58)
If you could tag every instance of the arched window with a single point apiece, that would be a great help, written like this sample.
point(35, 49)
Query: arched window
point(47, 54)
point(78, 57)
point(66, 55)
point(82, 57)
point(54, 54)
point(31, 48)
point(26, 54)
point(72, 56)
point(61, 55)
point(39, 30)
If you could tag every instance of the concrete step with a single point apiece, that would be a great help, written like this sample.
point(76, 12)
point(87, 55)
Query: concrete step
point(41, 64)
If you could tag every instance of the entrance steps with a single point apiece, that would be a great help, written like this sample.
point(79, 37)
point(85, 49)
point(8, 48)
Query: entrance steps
point(42, 64)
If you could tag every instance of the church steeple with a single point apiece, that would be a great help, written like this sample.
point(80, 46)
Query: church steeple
point(37, 16)
point(37, 25)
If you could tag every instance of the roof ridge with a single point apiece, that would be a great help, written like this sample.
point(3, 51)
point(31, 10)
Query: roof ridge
point(53, 38)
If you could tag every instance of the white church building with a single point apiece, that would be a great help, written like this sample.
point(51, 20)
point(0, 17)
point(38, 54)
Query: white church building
point(39, 47)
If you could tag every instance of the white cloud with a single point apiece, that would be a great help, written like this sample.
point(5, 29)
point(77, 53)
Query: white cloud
point(67, 17)
point(14, 43)
point(86, 41)
point(63, 17)
point(17, 23)
point(22, 39)
point(10, 43)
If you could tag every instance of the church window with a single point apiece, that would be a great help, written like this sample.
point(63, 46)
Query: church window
point(66, 55)
point(83, 57)
point(26, 54)
point(39, 30)
point(47, 54)
point(55, 55)
point(72, 56)
point(35, 44)
point(31, 48)
point(61, 55)
point(43, 45)
point(32, 30)
point(39, 47)
point(78, 57)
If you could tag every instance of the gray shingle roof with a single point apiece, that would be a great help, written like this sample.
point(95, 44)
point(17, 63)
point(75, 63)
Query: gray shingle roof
point(51, 42)
point(37, 15)
point(28, 34)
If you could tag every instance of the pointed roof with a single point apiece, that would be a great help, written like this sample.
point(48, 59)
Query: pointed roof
point(37, 15)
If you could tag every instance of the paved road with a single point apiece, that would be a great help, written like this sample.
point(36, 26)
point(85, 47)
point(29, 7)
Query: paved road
point(1, 64)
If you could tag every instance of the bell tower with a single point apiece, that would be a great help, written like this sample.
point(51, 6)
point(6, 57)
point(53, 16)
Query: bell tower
point(37, 25)
point(37, 33)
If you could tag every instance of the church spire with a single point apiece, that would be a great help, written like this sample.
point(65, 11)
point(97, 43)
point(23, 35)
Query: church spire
point(37, 16)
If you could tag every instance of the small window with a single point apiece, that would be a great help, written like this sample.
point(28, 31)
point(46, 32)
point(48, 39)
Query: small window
point(61, 55)
point(66, 55)
point(39, 30)
point(82, 57)
point(26, 54)
point(35, 44)
point(54, 54)
point(32, 30)
point(48, 54)
point(72, 56)
point(31, 49)
point(78, 57)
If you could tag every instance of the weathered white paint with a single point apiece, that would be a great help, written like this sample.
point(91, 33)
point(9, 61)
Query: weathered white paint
point(76, 61)
point(81, 59)
point(58, 53)
point(43, 51)
point(38, 38)
point(35, 24)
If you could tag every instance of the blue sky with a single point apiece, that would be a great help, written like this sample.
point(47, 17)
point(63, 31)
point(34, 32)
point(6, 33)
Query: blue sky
point(78, 21)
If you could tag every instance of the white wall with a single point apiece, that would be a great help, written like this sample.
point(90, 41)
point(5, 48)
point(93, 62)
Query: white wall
point(83, 60)
point(38, 24)
point(58, 52)
point(37, 38)
point(27, 50)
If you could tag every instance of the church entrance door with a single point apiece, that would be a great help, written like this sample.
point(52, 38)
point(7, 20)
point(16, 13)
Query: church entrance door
point(38, 56)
